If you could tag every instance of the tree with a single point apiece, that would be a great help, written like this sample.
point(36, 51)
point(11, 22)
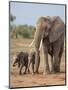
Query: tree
point(12, 18)
point(24, 31)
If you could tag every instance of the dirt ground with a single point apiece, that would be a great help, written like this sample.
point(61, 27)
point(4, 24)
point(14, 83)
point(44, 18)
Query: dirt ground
point(29, 80)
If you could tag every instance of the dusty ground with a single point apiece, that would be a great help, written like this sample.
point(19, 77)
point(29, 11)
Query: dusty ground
point(29, 80)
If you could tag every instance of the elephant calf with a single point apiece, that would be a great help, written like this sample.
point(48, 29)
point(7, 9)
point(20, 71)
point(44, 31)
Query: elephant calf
point(22, 60)
point(25, 59)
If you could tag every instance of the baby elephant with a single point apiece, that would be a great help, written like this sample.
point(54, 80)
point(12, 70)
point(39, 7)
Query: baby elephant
point(31, 58)
point(21, 61)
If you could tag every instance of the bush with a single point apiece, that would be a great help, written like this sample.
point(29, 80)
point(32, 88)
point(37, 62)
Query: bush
point(24, 31)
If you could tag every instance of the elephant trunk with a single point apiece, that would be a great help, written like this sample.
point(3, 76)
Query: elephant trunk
point(38, 37)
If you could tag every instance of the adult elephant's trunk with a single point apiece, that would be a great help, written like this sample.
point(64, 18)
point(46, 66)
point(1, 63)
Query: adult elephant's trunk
point(38, 37)
point(40, 27)
point(37, 46)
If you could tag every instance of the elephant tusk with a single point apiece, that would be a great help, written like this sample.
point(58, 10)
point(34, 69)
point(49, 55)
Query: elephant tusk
point(31, 43)
point(40, 45)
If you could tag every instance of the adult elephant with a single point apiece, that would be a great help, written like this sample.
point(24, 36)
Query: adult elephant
point(51, 31)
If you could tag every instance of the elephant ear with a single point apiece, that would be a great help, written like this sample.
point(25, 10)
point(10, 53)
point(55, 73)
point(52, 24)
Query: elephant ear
point(56, 30)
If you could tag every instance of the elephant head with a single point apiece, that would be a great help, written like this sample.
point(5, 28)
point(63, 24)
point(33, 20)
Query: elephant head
point(51, 27)
point(17, 61)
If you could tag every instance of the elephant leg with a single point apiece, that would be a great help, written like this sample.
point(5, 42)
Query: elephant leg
point(25, 69)
point(29, 62)
point(52, 67)
point(46, 64)
point(32, 68)
point(56, 52)
point(56, 58)
point(60, 55)
point(59, 62)
point(56, 64)
point(20, 72)
point(37, 62)
point(28, 70)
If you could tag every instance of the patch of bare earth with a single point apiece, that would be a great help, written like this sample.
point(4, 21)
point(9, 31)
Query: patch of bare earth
point(37, 80)
point(30, 80)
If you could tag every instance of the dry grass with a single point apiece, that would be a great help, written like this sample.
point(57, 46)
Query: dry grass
point(28, 80)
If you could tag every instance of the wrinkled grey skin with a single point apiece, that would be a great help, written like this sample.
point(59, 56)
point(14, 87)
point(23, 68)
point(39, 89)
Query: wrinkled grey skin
point(51, 31)
point(52, 50)
point(25, 60)
point(21, 61)
point(31, 58)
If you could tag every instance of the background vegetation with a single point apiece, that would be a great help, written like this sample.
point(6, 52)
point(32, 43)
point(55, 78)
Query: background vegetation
point(21, 31)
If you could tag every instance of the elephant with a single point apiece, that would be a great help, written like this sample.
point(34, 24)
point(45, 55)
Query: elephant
point(51, 31)
point(25, 59)
point(31, 58)
point(22, 60)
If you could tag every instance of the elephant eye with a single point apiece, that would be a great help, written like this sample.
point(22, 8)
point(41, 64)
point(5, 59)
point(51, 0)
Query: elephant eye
point(46, 29)
point(45, 33)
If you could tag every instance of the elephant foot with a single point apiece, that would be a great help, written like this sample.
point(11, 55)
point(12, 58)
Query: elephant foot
point(56, 70)
point(28, 71)
point(33, 73)
point(20, 73)
point(36, 72)
point(24, 73)
point(56, 67)
point(46, 72)
point(52, 71)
